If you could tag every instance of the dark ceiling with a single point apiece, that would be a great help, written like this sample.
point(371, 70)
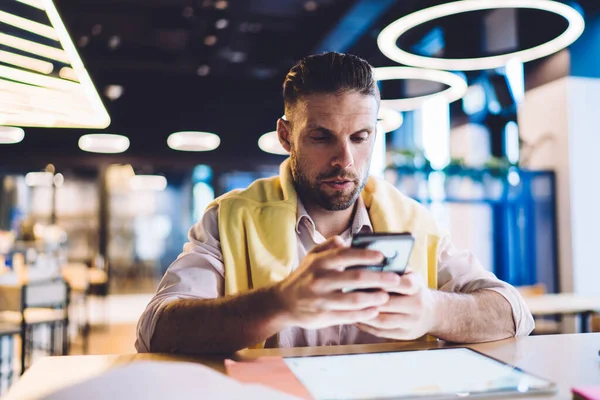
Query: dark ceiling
point(217, 66)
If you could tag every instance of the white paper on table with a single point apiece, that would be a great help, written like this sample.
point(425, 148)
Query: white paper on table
point(164, 380)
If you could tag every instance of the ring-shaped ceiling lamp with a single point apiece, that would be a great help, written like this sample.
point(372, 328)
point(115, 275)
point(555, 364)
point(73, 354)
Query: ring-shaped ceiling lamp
point(388, 120)
point(388, 37)
point(193, 141)
point(457, 86)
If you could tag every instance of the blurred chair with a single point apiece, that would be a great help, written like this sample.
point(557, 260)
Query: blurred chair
point(43, 306)
point(7, 333)
point(543, 326)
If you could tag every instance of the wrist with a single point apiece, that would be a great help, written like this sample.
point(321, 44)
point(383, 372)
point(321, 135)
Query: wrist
point(281, 313)
point(437, 324)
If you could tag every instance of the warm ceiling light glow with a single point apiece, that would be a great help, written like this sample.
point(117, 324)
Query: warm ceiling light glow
point(36, 179)
point(28, 46)
point(68, 73)
point(154, 183)
point(457, 87)
point(11, 135)
point(32, 64)
point(104, 143)
point(28, 90)
point(193, 141)
point(32, 78)
point(389, 120)
point(269, 143)
point(33, 3)
point(28, 25)
point(389, 36)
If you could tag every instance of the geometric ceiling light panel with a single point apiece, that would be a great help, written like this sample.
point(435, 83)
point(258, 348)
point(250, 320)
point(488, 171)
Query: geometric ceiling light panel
point(457, 86)
point(104, 143)
point(11, 135)
point(193, 141)
point(389, 36)
point(43, 82)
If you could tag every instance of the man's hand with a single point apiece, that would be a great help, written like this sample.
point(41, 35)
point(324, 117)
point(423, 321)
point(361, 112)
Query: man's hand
point(409, 314)
point(312, 296)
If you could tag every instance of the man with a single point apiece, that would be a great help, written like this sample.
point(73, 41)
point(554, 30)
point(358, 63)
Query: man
point(266, 266)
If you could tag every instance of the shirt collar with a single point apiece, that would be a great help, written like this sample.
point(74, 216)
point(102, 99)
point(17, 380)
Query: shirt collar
point(360, 223)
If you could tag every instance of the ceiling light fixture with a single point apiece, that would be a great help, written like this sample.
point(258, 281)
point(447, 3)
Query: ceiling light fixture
point(29, 74)
point(193, 141)
point(11, 135)
point(389, 36)
point(33, 64)
point(28, 25)
point(104, 143)
point(39, 179)
point(457, 86)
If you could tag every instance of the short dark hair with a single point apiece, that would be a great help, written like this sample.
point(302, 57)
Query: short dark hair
point(331, 72)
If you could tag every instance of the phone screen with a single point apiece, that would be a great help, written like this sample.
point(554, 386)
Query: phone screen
point(395, 247)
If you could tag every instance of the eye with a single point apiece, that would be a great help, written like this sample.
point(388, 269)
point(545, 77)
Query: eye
point(361, 137)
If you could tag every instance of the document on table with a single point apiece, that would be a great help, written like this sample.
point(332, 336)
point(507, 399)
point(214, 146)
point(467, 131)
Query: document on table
point(151, 380)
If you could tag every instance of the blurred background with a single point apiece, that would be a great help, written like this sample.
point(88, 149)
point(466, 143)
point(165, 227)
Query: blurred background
point(489, 119)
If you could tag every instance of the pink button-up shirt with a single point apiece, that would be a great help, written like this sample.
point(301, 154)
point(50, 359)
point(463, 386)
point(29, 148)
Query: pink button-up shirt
point(198, 273)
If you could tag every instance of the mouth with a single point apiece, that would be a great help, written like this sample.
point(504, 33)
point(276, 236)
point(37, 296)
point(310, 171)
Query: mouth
point(338, 183)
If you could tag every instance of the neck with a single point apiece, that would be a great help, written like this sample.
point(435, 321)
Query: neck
point(329, 223)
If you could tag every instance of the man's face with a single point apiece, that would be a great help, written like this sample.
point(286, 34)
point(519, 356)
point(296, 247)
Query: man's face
point(330, 139)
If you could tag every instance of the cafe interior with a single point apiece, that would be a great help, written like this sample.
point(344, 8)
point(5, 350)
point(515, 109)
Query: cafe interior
point(122, 120)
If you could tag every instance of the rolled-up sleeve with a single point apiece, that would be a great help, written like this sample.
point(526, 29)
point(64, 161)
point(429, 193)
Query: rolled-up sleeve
point(197, 273)
point(459, 271)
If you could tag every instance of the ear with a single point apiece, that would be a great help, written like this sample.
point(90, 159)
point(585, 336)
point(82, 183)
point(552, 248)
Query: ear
point(284, 134)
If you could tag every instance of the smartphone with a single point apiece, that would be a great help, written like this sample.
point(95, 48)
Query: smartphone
point(395, 247)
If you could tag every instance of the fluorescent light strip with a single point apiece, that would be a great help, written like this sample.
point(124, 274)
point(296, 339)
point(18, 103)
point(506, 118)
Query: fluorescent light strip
point(37, 79)
point(28, 25)
point(73, 97)
point(387, 39)
point(33, 64)
point(41, 103)
point(34, 48)
point(33, 3)
point(68, 73)
point(269, 143)
point(457, 87)
point(76, 63)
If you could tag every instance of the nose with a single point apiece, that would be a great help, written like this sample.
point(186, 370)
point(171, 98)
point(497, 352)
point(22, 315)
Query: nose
point(343, 157)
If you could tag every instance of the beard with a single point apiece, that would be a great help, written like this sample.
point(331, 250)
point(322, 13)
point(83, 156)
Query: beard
point(310, 189)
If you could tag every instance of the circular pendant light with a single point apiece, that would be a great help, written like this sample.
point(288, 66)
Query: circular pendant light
point(193, 141)
point(104, 143)
point(389, 36)
point(457, 86)
point(11, 135)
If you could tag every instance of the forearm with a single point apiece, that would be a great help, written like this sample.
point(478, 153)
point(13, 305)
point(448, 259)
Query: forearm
point(481, 316)
point(220, 325)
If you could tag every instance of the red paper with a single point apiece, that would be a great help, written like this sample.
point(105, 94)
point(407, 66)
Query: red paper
point(587, 393)
point(269, 371)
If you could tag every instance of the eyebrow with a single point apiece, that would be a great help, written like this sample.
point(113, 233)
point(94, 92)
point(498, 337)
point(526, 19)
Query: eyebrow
point(314, 127)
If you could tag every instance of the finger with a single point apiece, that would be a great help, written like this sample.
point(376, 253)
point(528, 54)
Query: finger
point(401, 304)
point(350, 317)
point(342, 258)
point(389, 321)
point(410, 283)
point(354, 300)
point(356, 279)
point(333, 242)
